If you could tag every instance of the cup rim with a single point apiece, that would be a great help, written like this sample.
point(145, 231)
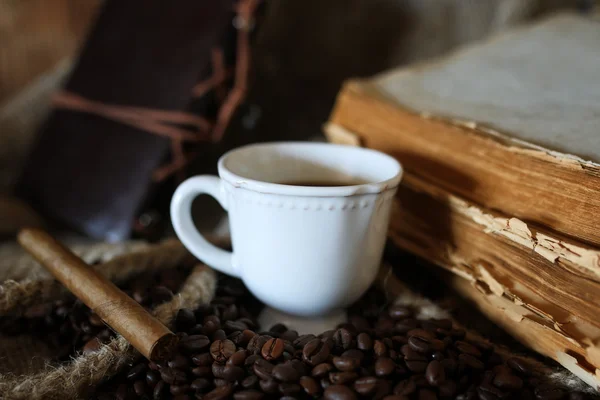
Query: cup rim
point(312, 191)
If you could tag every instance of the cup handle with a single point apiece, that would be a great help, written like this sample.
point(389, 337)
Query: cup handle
point(181, 216)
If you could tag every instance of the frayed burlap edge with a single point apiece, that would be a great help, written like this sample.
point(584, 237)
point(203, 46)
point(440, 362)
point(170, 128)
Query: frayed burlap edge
point(84, 372)
point(16, 264)
point(402, 295)
point(17, 295)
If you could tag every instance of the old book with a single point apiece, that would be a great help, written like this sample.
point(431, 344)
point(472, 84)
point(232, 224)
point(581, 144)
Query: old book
point(91, 173)
point(502, 178)
point(510, 123)
point(539, 285)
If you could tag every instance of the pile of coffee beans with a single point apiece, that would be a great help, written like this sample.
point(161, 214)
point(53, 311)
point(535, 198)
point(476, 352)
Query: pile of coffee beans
point(383, 352)
point(69, 325)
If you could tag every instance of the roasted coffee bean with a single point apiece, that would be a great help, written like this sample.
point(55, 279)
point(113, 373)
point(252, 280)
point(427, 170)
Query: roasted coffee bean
point(272, 349)
point(242, 338)
point(233, 373)
point(237, 358)
point(301, 367)
point(342, 338)
point(122, 392)
point(435, 373)
point(405, 387)
point(179, 361)
point(364, 341)
point(405, 325)
point(447, 389)
point(220, 382)
point(269, 385)
point(278, 328)
point(160, 390)
point(168, 375)
point(346, 363)
point(410, 354)
point(379, 348)
point(289, 389)
point(315, 352)
point(137, 371)
point(421, 333)
point(201, 384)
point(519, 366)
point(321, 370)
point(177, 390)
point(416, 365)
point(384, 366)
point(185, 319)
point(232, 326)
point(256, 344)
point(548, 392)
point(327, 334)
point(360, 323)
point(489, 392)
point(366, 386)
point(310, 386)
point(426, 394)
point(467, 348)
point(289, 336)
point(399, 312)
point(152, 378)
point(391, 356)
point(424, 344)
point(251, 359)
point(202, 371)
point(139, 387)
point(384, 326)
point(449, 365)
point(202, 359)
point(194, 343)
point(219, 393)
point(263, 369)
point(339, 392)
point(470, 361)
point(342, 378)
point(248, 395)
point(354, 353)
point(221, 350)
point(285, 373)
point(302, 340)
point(219, 334)
point(384, 388)
point(508, 381)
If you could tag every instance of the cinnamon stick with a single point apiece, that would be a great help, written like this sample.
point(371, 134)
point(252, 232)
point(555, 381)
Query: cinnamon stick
point(123, 314)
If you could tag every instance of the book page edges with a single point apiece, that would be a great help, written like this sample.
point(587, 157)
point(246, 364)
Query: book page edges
point(547, 244)
point(365, 87)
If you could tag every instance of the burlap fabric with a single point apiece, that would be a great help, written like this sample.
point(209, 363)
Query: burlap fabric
point(27, 373)
point(25, 369)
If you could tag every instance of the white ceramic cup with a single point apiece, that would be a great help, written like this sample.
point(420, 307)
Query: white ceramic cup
point(304, 250)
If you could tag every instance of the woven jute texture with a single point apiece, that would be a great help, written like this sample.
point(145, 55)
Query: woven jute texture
point(25, 368)
point(26, 371)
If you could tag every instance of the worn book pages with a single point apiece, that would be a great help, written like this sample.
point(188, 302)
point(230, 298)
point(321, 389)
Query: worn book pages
point(539, 84)
point(536, 284)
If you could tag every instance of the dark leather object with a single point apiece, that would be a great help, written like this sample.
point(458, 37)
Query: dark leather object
point(89, 173)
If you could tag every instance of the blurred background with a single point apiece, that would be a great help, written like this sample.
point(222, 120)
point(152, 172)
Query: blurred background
point(300, 53)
